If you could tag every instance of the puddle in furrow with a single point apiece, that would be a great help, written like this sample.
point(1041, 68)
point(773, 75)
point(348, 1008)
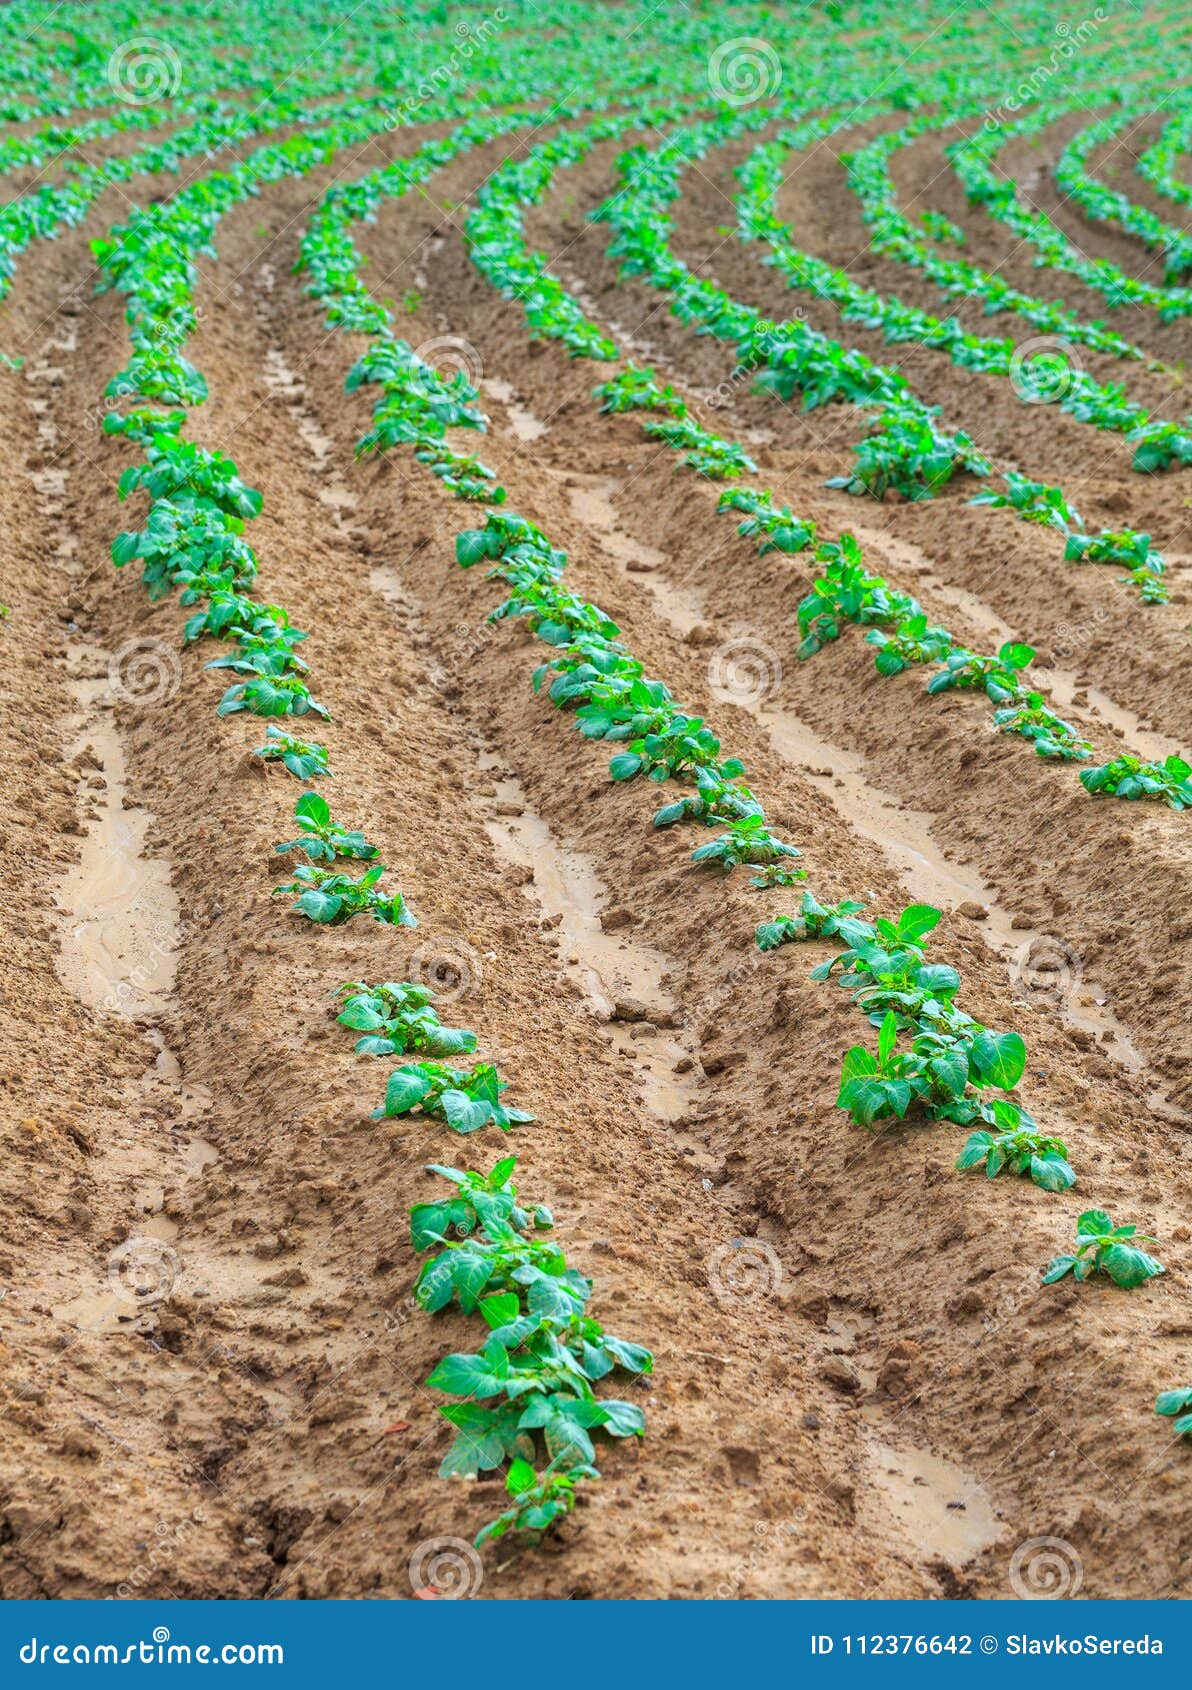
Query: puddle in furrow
point(119, 933)
point(522, 421)
point(622, 980)
point(946, 1514)
point(1062, 684)
point(282, 383)
point(905, 835)
point(611, 968)
point(592, 504)
point(119, 909)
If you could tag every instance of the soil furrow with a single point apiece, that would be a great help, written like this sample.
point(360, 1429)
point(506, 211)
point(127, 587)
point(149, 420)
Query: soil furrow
point(770, 1041)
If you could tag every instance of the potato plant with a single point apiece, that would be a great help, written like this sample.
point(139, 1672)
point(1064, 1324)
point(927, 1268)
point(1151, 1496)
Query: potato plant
point(323, 840)
point(532, 1383)
point(1104, 1248)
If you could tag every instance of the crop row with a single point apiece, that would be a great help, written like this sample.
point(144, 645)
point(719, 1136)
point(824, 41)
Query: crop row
point(544, 1352)
point(847, 591)
point(905, 450)
point(1034, 379)
point(975, 161)
point(530, 1386)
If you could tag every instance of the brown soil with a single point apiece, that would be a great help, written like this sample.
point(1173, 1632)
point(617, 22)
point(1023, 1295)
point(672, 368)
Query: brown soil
point(860, 1387)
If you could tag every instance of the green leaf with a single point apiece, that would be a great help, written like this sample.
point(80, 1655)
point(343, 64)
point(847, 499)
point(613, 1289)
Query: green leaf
point(472, 1376)
point(462, 1113)
point(857, 1061)
point(1174, 1402)
point(1128, 1266)
point(937, 978)
point(1016, 656)
point(1052, 1172)
point(484, 1438)
point(975, 1151)
point(951, 1071)
point(999, 1058)
point(471, 546)
point(1056, 1270)
point(322, 907)
point(887, 1038)
point(374, 1045)
point(520, 1478)
point(623, 1419)
point(405, 1090)
point(916, 921)
point(500, 1309)
point(361, 1018)
point(314, 808)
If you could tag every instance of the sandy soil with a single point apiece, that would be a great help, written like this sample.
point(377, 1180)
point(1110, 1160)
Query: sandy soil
point(213, 1364)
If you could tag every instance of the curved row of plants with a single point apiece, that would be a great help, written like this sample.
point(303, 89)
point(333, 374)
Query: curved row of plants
point(846, 591)
point(895, 236)
point(46, 211)
point(985, 185)
point(1109, 205)
point(905, 451)
point(1034, 379)
point(1159, 163)
point(528, 1394)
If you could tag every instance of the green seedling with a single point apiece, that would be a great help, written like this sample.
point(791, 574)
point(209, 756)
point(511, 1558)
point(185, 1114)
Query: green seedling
point(323, 839)
point(1049, 734)
point(1104, 1248)
point(1033, 500)
point(397, 1017)
point(996, 676)
point(330, 898)
point(305, 762)
point(479, 1200)
point(748, 840)
point(1130, 777)
point(814, 921)
point(538, 1503)
point(467, 1099)
point(1018, 1149)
